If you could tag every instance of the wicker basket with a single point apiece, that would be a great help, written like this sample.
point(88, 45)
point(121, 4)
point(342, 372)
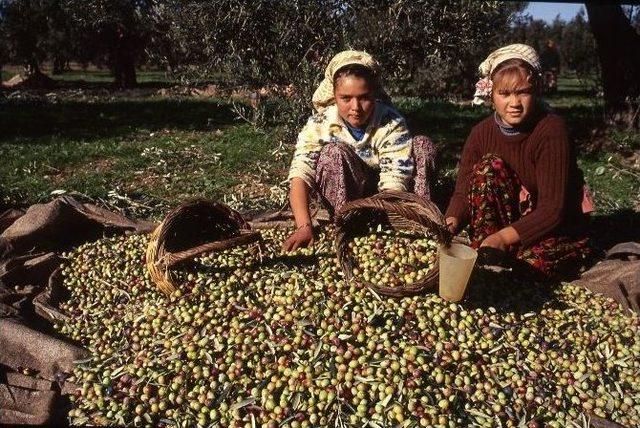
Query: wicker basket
point(402, 212)
point(193, 228)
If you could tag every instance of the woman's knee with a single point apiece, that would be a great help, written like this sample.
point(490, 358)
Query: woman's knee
point(488, 165)
point(331, 157)
point(422, 145)
point(334, 151)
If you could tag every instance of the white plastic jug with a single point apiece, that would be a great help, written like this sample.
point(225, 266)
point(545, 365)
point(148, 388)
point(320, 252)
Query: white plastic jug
point(455, 265)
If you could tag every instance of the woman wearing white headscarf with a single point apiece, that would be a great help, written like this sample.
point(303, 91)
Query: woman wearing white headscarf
point(354, 145)
point(518, 185)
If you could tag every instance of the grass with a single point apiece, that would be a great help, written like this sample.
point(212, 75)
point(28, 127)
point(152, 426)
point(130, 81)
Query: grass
point(90, 75)
point(144, 153)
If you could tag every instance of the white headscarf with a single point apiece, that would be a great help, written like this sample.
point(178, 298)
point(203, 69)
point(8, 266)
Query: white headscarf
point(323, 96)
point(486, 68)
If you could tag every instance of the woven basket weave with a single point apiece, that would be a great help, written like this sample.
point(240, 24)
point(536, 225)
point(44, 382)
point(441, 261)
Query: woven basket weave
point(400, 211)
point(195, 227)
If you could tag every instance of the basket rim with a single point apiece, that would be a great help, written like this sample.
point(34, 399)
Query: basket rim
point(159, 260)
point(403, 206)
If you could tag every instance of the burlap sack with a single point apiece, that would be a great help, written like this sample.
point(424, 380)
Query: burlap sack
point(618, 276)
point(47, 303)
point(8, 217)
point(22, 406)
point(62, 224)
point(597, 422)
point(28, 382)
point(23, 347)
point(28, 270)
point(30, 291)
point(33, 400)
point(27, 400)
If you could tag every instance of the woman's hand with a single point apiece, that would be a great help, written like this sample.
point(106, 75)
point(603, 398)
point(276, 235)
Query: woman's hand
point(495, 241)
point(502, 240)
point(452, 224)
point(301, 238)
point(299, 199)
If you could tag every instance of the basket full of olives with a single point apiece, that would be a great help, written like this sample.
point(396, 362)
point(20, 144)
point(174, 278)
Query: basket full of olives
point(195, 227)
point(389, 242)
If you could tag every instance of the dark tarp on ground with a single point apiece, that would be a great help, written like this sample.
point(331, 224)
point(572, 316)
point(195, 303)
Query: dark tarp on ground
point(34, 363)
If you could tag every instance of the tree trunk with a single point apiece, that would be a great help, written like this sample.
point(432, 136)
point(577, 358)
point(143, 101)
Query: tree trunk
point(124, 69)
point(123, 59)
point(32, 68)
point(58, 66)
point(618, 46)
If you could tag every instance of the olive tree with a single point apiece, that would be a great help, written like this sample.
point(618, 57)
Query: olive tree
point(618, 48)
point(430, 47)
point(427, 48)
point(112, 31)
point(26, 27)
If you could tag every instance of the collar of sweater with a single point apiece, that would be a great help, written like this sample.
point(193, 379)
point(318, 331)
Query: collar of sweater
point(526, 127)
point(340, 128)
point(356, 133)
point(506, 129)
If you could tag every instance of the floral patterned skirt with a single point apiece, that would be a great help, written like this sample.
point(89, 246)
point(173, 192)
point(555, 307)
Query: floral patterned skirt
point(341, 176)
point(495, 202)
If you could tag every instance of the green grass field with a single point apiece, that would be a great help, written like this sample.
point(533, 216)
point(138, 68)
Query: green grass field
point(143, 153)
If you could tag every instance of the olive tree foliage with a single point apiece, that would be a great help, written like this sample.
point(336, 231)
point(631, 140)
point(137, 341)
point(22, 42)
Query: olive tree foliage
point(423, 44)
point(255, 43)
point(26, 27)
point(114, 32)
point(578, 47)
point(430, 47)
point(573, 38)
point(426, 48)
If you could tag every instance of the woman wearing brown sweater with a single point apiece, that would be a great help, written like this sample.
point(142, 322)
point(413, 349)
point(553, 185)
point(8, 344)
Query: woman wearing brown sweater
point(518, 184)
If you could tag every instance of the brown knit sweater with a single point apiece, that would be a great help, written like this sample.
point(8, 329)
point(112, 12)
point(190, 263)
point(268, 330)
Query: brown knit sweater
point(545, 162)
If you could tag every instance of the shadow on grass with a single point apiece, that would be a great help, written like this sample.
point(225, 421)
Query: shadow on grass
point(611, 229)
point(81, 83)
point(581, 120)
point(109, 118)
point(447, 124)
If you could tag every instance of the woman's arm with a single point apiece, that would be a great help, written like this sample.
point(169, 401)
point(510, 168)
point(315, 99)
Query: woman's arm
point(458, 209)
point(301, 177)
point(299, 199)
point(553, 158)
point(394, 154)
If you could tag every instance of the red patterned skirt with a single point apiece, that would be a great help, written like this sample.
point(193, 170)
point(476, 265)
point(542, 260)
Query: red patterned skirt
point(495, 202)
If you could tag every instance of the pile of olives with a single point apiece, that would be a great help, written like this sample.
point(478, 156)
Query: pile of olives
point(261, 338)
point(388, 258)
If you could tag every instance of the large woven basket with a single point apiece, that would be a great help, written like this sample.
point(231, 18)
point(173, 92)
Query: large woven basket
point(195, 227)
point(400, 211)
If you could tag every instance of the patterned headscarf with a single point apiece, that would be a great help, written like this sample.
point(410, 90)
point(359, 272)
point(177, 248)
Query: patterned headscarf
point(484, 85)
point(323, 96)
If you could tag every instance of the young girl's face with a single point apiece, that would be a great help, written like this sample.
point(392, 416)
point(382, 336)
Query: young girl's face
point(513, 98)
point(355, 100)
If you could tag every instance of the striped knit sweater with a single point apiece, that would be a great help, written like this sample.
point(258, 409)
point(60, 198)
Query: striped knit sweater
point(386, 146)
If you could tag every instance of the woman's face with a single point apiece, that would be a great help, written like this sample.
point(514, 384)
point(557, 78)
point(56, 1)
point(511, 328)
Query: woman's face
point(513, 99)
point(355, 100)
